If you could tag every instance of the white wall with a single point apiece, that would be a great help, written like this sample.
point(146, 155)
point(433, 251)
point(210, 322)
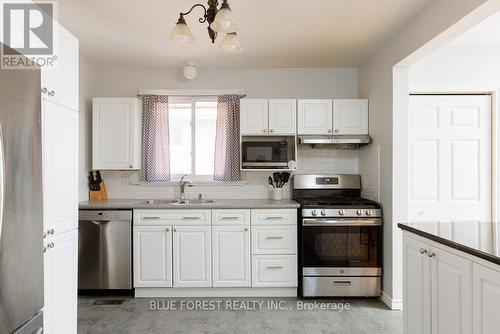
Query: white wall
point(435, 25)
point(258, 83)
point(457, 68)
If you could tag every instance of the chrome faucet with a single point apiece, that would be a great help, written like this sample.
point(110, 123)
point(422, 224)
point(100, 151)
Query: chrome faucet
point(182, 185)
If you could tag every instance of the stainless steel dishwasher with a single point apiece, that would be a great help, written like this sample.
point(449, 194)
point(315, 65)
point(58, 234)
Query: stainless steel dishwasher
point(105, 250)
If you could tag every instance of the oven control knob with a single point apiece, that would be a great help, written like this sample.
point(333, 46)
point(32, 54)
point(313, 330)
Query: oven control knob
point(341, 212)
point(323, 212)
point(369, 212)
point(314, 213)
point(359, 212)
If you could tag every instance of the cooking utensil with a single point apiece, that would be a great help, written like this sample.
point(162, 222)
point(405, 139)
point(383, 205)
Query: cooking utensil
point(270, 181)
point(276, 178)
point(285, 177)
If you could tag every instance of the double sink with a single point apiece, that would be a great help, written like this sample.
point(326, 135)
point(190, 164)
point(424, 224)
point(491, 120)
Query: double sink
point(177, 201)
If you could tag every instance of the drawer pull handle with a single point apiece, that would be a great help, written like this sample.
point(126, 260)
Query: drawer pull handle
point(151, 218)
point(230, 218)
point(342, 283)
point(274, 238)
point(190, 218)
point(274, 218)
point(274, 267)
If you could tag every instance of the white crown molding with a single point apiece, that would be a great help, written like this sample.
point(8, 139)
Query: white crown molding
point(192, 92)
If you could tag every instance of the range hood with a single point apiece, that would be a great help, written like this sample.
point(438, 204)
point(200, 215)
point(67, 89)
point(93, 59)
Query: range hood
point(339, 141)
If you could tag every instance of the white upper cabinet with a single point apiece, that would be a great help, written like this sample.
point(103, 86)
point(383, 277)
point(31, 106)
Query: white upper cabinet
point(60, 168)
point(350, 117)
point(254, 118)
point(315, 117)
point(268, 117)
point(327, 117)
point(60, 82)
point(282, 117)
point(116, 135)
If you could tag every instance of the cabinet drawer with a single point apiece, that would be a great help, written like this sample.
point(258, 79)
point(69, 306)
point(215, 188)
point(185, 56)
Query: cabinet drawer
point(274, 217)
point(274, 240)
point(231, 217)
point(172, 217)
point(274, 270)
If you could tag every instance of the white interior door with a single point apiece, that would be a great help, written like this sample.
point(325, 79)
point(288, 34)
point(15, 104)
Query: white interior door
point(450, 160)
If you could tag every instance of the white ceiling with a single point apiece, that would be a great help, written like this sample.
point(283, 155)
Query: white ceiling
point(274, 33)
point(484, 33)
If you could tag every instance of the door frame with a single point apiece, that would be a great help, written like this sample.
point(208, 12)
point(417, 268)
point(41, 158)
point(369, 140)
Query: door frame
point(494, 94)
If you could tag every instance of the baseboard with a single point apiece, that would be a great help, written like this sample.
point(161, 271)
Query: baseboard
point(393, 304)
point(215, 292)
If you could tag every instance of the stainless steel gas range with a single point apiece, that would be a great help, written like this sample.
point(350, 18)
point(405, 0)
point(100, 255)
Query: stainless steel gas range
point(340, 237)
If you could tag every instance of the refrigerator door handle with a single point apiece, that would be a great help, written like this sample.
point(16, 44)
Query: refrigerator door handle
point(2, 183)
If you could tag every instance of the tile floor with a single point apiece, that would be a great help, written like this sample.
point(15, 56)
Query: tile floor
point(368, 316)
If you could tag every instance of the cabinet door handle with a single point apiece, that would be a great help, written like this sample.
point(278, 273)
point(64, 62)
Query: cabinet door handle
point(230, 218)
point(151, 218)
point(271, 130)
point(44, 90)
point(175, 230)
point(50, 245)
point(168, 230)
point(274, 238)
point(431, 254)
point(329, 130)
point(274, 267)
point(246, 229)
point(131, 166)
point(52, 93)
point(336, 130)
point(423, 251)
point(274, 218)
point(190, 218)
point(265, 130)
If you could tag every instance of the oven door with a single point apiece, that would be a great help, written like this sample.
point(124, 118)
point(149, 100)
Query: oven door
point(341, 243)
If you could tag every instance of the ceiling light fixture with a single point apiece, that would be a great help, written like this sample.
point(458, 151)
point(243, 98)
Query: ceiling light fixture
point(219, 20)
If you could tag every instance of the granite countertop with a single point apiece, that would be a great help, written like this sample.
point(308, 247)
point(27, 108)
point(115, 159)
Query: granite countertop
point(474, 238)
point(219, 204)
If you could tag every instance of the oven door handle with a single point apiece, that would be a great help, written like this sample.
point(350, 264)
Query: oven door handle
point(341, 222)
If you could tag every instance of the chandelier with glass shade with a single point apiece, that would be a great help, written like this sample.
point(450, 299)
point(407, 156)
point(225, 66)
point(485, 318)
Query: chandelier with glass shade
point(220, 20)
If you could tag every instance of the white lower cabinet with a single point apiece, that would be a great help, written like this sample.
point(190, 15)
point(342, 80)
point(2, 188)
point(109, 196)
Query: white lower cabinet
point(60, 283)
point(184, 248)
point(152, 256)
point(486, 300)
point(192, 258)
point(274, 271)
point(446, 291)
point(231, 256)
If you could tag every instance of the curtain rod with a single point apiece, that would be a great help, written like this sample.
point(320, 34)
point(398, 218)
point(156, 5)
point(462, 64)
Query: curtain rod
point(191, 92)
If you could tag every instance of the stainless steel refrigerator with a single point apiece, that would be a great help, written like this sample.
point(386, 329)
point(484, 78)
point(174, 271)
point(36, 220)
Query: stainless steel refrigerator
point(21, 219)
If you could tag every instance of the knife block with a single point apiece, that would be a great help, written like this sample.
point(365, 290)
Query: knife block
point(100, 195)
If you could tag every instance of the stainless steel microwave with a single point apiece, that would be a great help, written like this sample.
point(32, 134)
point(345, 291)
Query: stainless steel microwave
point(265, 154)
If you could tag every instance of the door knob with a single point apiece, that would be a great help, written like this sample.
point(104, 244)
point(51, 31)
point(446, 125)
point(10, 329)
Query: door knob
point(329, 130)
point(336, 130)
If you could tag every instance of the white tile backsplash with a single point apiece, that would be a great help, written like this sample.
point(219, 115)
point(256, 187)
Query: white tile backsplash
point(323, 160)
point(369, 168)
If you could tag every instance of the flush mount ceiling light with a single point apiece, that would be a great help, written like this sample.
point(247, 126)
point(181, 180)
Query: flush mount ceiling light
point(218, 19)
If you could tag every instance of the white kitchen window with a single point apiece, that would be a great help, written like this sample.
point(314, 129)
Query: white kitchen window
point(192, 122)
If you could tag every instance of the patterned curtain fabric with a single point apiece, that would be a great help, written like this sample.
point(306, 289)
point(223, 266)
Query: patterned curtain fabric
point(227, 139)
point(155, 138)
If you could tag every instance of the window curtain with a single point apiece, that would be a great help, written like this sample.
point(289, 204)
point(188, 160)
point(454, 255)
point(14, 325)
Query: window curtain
point(155, 138)
point(227, 139)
